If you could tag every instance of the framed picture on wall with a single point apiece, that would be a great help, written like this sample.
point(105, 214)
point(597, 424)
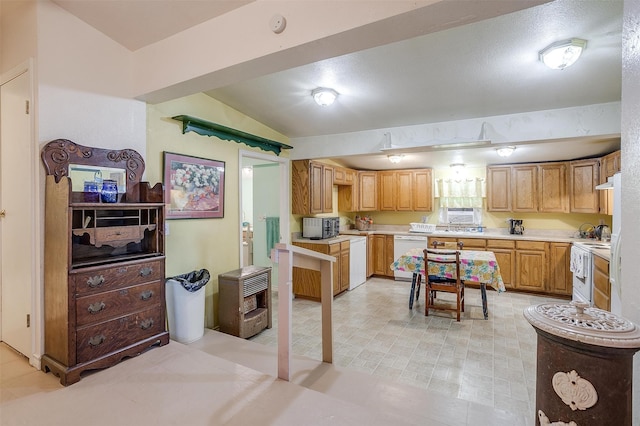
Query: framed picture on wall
point(193, 187)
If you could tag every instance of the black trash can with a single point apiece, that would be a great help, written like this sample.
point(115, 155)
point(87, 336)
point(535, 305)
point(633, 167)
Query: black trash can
point(584, 364)
point(185, 296)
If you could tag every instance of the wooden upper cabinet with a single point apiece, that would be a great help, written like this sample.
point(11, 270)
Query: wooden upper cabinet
point(584, 176)
point(423, 190)
point(368, 191)
point(610, 164)
point(499, 188)
point(311, 187)
point(524, 191)
point(387, 190)
point(343, 176)
point(404, 190)
point(554, 187)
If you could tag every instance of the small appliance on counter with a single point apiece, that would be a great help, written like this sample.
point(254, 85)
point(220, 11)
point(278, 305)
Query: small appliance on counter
point(318, 228)
point(515, 226)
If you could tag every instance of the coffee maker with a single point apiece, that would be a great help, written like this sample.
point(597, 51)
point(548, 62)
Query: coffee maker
point(515, 226)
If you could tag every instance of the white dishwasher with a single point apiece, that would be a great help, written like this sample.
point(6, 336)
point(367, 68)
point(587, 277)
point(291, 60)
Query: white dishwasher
point(401, 245)
point(357, 261)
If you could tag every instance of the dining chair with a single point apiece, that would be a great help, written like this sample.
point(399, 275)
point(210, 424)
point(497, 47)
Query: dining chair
point(441, 282)
point(447, 244)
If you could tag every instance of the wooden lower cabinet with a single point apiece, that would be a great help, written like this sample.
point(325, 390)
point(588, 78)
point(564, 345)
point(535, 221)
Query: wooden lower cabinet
point(560, 277)
point(505, 255)
point(370, 255)
point(601, 284)
point(382, 255)
point(531, 265)
point(307, 283)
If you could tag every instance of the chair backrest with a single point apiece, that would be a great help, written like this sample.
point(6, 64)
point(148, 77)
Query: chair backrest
point(447, 244)
point(442, 259)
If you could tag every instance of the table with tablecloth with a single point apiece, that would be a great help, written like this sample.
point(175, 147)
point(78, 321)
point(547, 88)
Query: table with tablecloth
point(477, 266)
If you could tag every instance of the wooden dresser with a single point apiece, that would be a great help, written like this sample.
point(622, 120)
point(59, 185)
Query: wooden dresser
point(104, 262)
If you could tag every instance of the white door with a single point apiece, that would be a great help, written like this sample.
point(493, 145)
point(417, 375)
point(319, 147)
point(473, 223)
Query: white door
point(18, 206)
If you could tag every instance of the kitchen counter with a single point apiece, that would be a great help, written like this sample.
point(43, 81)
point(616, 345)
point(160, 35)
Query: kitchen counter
point(552, 236)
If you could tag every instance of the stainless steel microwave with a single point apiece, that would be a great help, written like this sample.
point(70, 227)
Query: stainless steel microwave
point(320, 227)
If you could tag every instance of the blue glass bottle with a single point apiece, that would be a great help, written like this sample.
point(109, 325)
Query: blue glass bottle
point(91, 194)
point(109, 191)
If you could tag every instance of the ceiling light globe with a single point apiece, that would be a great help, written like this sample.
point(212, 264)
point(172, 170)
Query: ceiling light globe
point(562, 54)
point(395, 159)
point(324, 96)
point(505, 151)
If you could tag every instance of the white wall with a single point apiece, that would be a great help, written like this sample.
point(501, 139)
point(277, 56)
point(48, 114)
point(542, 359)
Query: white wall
point(85, 85)
point(631, 177)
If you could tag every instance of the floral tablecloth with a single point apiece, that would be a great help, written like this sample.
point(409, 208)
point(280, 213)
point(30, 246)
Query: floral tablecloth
point(476, 266)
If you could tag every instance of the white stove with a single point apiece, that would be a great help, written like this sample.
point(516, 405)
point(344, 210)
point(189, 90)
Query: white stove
point(582, 268)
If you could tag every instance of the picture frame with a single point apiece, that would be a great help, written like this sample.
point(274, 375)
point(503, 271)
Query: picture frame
point(193, 187)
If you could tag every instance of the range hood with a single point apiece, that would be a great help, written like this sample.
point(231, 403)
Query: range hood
point(607, 185)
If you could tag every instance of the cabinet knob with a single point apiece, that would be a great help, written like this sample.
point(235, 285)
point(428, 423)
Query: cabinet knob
point(97, 340)
point(146, 324)
point(3, 213)
point(146, 295)
point(94, 308)
point(96, 281)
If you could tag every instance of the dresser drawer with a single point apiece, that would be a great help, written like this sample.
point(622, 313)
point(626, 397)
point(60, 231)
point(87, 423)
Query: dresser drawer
point(110, 277)
point(101, 339)
point(112, 304)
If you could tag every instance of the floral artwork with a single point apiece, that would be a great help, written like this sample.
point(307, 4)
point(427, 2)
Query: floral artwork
point(194, 187)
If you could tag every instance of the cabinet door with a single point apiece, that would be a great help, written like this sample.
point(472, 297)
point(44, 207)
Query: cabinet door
point(524, 192)
point(423, 190)
point(387, 191)
point(370, 255)
point(345, 270)
point(339, 176)
point(601, 284)
point(327, 189)
point(499, 189)
point(334, 250)
point(506, 263)
point(347, 198)
point(316, 186)
point(404, 190)
point(560, 277)
point(530, 266)
point(380, 265)
point(368, 191)
point(553, 184)
point(583, 178)
point(389, 254)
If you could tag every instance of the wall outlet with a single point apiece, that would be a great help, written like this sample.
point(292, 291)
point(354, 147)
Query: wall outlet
point(166, 228)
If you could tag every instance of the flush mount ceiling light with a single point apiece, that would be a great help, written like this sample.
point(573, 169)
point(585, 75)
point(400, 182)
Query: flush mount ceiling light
point(457, 167)
point(395, 158)
point(505, 151)
point(324, 96)
point(562, 54)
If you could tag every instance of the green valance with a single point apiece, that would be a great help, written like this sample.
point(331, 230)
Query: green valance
point(207, 128)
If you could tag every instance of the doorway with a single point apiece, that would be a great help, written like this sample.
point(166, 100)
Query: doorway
point(264, 208)
point(18, 225)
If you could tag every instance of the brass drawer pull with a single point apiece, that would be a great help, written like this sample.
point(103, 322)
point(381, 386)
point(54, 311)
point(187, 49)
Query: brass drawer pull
point(97, 340)
point(96, 281)
point(146, 324)
point(146, 295)
point(94, 308)
point(147, 270)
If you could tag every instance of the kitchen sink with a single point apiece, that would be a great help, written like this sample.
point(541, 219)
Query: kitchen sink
point(594, 244)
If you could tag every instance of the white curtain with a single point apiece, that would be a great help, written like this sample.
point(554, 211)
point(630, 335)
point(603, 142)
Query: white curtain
point(461, 192)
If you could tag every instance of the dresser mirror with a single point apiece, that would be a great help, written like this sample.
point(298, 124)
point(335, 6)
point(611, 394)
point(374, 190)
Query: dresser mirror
point(80, 173)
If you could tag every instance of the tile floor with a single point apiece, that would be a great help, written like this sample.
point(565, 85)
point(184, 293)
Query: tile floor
point(492, 362)
point(379, 348)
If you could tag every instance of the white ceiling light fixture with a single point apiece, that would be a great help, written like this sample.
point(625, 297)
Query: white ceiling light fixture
point(562, 54)
point(457, 167)
point(395, 158)
point(324, 96)
point(505, 151)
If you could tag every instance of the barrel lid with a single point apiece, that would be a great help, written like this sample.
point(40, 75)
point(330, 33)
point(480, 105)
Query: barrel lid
point(581, 323)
